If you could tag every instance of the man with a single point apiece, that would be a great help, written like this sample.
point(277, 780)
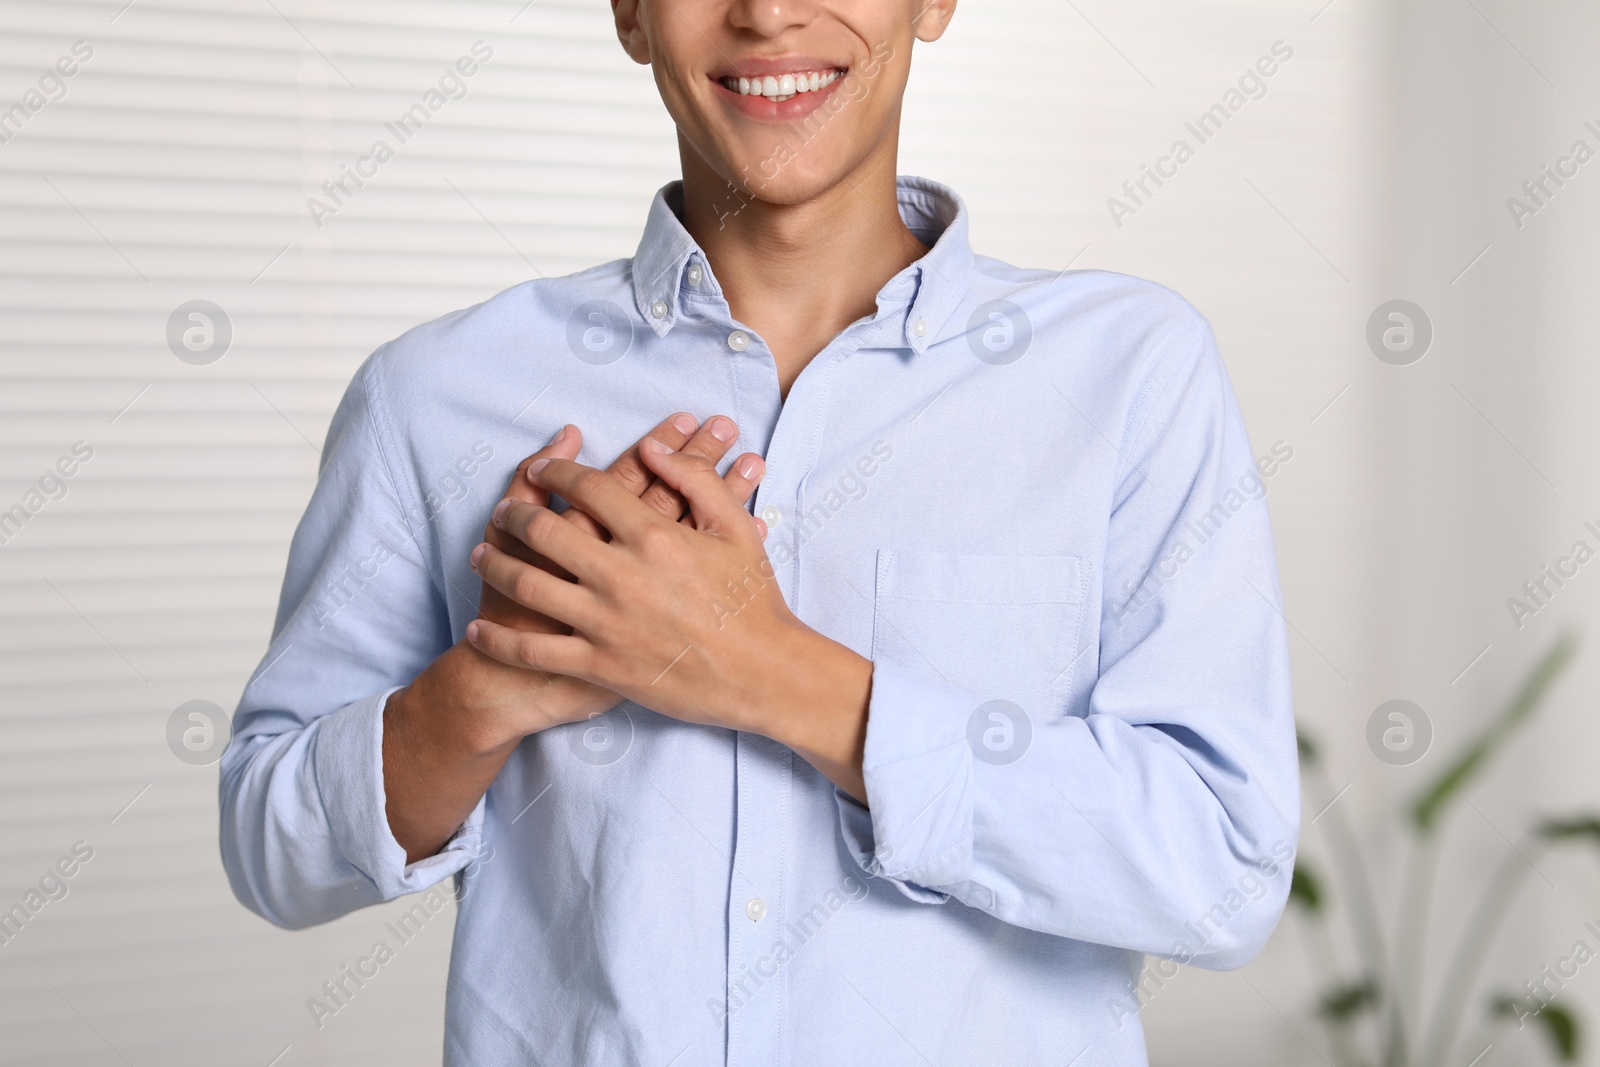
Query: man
point(988, 698)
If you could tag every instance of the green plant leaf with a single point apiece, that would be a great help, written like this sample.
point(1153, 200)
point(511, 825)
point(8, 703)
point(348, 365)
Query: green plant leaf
point(1305, 888)
point(1306, 746)
point(1572, 828)
point(1559, 1024)
point(1431, 802)
point(1345, 1002)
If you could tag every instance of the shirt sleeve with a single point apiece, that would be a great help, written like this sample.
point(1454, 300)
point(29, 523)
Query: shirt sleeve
point(1164, 819)
point(305, 837)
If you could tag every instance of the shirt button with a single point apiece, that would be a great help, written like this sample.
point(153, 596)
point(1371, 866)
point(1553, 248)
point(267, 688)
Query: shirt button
point(756, 908)
point(771, 516)
point(659, 309)
point(738, 340)
point(696, 275)
point(919, 328)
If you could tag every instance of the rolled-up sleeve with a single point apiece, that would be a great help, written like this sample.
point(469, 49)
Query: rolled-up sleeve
point(1163, 818)
point(304, 833)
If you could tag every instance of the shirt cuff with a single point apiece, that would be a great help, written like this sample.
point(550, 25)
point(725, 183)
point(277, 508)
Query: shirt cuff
point(916, 830)
point(348, 760)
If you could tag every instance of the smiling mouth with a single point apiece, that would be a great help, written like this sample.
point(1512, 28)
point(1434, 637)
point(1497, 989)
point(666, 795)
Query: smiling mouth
point(781, 87)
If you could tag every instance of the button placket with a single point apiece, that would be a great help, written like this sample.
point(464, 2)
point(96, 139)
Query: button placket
point(756, 974)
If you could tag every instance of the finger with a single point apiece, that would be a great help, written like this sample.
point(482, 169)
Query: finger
point(675, 431)
point(744, 474)
point(597, 493)
point(535, 589)
point(550, 536)
point(761, 527)
point(713, 505)
point(564, 445)
point(712, 443)
point(743, 477)
point(545, 653)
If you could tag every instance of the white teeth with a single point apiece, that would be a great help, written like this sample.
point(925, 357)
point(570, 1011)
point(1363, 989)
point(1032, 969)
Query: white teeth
point(781, 87)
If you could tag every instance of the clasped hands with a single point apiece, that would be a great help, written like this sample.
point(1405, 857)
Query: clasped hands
point(654, 586)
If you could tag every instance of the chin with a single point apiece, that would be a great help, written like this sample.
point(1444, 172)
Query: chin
point(788, 169)
point(789, 185)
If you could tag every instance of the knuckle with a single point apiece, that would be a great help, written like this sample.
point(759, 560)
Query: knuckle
point(539, 527)
point(705, 447)
point(592, 483)
point(699, 459)
point(525, 586)
point(527, 651)
point(632, 478)
point(665, 501)
point(656, 540)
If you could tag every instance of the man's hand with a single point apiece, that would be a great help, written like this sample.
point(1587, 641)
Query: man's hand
point(688, 621)
point(448, 733)
point(562, 698)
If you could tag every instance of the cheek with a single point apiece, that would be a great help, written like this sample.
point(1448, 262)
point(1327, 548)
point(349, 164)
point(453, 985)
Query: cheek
point(672, 78)
point(689, 98)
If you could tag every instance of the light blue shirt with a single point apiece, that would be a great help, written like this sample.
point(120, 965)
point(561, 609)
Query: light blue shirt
point(1027, 496)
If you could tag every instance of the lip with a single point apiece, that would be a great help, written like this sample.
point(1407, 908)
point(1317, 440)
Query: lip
point(752, 66)
point(760, 108)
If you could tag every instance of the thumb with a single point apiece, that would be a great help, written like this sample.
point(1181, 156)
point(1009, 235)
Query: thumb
point(712, 504)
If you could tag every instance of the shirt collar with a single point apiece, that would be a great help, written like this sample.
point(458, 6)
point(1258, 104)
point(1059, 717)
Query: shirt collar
point(668, 261)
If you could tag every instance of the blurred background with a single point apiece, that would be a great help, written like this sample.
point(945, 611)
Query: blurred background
point(1440, 459)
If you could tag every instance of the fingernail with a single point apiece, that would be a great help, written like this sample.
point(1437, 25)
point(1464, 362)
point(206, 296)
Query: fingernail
point(500, 513)
point(684, 423)
point(477, 554)
point(723, 429)
point(535, 467)
point(749, 467)
point(472, 631)
point(559, 437)
point(654, 447)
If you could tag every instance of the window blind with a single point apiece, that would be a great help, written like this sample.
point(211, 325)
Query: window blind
point(200, 240)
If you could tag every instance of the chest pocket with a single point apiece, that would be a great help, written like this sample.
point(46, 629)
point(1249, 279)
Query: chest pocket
point(999, 627)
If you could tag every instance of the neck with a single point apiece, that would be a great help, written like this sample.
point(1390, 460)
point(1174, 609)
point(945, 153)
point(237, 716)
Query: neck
point(798, 274)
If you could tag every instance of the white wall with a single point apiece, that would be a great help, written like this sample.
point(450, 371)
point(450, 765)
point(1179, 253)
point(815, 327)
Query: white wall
point(178, 165)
